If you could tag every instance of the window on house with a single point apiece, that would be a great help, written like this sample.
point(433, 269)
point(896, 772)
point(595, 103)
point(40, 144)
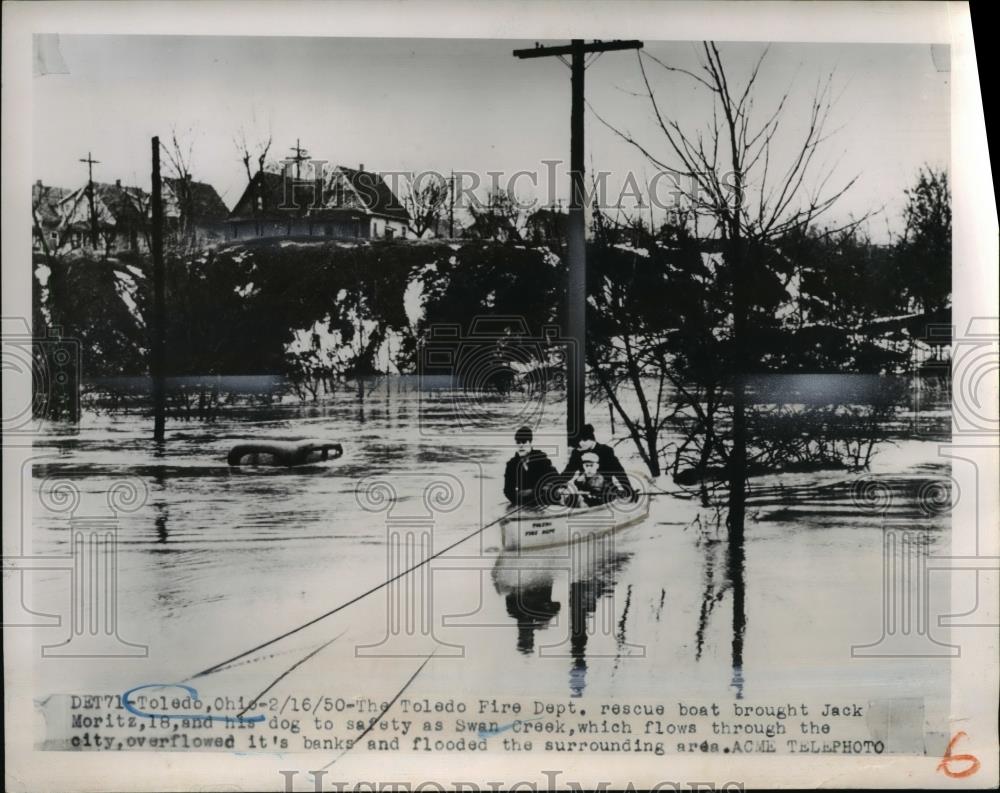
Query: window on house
point(328, 229)
point(389, 234)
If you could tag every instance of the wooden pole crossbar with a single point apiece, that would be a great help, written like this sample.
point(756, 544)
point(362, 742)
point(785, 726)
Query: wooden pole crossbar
point(539, 51)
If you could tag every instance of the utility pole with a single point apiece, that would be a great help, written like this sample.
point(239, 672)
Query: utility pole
point(576, 292)
point(451, 206)
point(301, 155)
point(91, 162)
point(159, 303)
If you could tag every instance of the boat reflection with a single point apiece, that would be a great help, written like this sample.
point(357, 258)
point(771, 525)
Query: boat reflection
point(532, 608)
point(586, 572)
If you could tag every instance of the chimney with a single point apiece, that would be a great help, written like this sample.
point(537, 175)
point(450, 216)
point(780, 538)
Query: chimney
point(38, 183)
point(361, 166)
point(118, 182)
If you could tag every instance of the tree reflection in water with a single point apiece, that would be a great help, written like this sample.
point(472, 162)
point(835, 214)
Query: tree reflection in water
point(160, 504)
point(735, 567)
point(728, 560)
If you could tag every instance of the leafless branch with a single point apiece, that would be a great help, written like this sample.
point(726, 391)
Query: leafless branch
point(255, 153)
point(692, 75)
point(425, 197)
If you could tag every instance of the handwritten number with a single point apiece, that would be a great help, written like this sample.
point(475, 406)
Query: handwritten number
point(950, 758)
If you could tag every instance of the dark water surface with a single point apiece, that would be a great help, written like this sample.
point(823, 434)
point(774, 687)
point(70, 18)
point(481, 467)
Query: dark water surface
point(213, 560)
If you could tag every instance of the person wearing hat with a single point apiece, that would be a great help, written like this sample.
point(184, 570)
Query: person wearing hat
point(607, 462)
point(529, 474)
point(590, 485)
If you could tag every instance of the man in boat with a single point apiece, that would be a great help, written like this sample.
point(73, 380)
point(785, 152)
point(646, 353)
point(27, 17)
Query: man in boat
point(590, 487)
point(529, 475)
point(608, 464)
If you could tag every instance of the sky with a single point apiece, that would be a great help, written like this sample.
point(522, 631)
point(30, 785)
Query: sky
point(468, 105)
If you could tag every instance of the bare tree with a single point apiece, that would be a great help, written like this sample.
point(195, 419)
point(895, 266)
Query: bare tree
point(179, 161)
point(40, 201)
point(425, 197)
point(141, 204)
point(732, 171)
point(500, 218)
point(256, 153)
point(179, 155)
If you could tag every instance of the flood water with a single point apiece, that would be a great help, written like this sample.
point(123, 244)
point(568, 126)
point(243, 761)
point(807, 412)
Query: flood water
point(213, 561)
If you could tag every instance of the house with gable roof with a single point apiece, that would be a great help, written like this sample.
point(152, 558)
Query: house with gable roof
point(47, 229)
point(70, 219)
point(65, 220)
point(194, 210)
point(344, 203)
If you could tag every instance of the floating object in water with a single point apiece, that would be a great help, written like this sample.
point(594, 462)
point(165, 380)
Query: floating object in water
point(284, 453)
point(543, 527)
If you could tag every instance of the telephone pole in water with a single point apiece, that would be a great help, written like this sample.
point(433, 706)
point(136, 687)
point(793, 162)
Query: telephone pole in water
point(576, 292)
point(159, 303)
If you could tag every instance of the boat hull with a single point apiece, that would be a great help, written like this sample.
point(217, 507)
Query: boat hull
point(546, 527)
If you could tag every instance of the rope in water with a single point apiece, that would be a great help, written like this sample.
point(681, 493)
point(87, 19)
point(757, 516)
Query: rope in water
point(385, 709)
point(352, 601)
point(222, 664)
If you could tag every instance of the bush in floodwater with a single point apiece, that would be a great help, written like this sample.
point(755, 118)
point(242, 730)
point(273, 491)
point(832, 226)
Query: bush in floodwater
point(789, 438)
point(785, 437)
